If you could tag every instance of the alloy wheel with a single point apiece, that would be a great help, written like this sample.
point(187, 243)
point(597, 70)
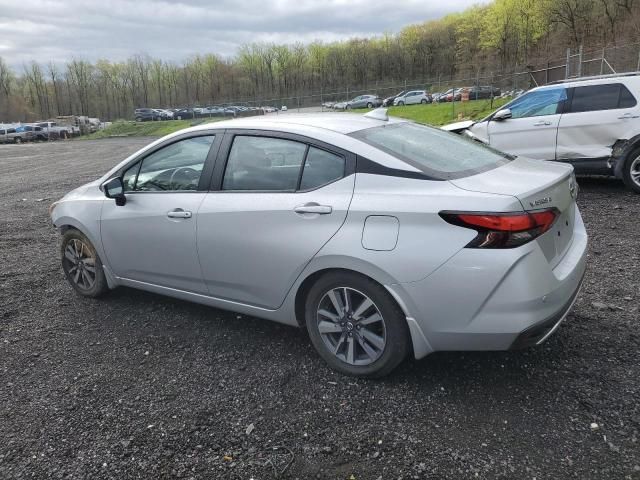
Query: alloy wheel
point(634, 171)
point(80, 263)
point(351, 326)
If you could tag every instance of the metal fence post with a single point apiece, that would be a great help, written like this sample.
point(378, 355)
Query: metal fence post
point(567, 68)
point(580, 61)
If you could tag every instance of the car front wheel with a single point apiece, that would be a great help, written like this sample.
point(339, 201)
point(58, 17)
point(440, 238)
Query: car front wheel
point(423, 101)
point(355, 325)
point(401, 104)
point(631, 171)
point(82, 265)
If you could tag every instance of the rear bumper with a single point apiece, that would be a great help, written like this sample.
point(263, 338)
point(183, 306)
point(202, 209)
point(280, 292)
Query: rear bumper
point(539, 333)
point(495, 300)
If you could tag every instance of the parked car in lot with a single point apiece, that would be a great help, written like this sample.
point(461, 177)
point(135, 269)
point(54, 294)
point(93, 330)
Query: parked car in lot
point(590, 123)
point(364, 230)
point(483, 92)
point(54, 131)
point(36, 133)
point(12, 135)
point(146, 114)
point(184, 114)
point(364, 101)
point(387, 102)
point(413, 97)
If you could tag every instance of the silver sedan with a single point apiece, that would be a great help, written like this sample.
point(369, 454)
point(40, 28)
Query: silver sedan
point(381, 237)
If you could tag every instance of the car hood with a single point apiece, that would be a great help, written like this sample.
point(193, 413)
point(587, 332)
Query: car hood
point(458, 126)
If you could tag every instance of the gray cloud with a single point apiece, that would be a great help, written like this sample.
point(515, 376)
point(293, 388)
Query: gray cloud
point(58, 30)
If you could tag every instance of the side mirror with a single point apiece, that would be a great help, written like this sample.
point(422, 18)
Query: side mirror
point(114, 188)
point(501, 115)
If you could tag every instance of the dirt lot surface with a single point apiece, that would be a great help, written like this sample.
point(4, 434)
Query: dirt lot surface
point(141, 386)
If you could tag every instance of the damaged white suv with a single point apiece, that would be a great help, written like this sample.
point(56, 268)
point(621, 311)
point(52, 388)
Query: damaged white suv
point(592, 123)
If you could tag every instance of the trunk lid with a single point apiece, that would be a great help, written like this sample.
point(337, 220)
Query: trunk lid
point(537, 185)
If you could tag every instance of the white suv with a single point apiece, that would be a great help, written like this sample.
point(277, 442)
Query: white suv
point(413, 97)
point(591, 123)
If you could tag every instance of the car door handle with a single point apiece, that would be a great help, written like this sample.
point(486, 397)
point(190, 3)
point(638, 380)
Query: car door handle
point(541, 123)
point(313, 208)
point(179, 213)
point(628, 115)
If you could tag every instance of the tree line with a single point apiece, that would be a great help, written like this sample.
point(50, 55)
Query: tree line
point(500, 37)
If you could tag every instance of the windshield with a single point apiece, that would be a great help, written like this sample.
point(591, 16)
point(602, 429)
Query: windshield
point(441, 155)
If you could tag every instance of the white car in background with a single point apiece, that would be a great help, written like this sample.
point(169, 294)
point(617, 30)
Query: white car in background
point(413, 97)
point(591, 123)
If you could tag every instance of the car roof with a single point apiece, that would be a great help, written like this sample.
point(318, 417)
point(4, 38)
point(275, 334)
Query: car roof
point(338, 122)
point(595, 80)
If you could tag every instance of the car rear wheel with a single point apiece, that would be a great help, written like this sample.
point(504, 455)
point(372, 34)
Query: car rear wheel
point(369, 105)
point(355, 325)
point(18, 140)
point(82, 265)
point(423, 101)
point(631, 171)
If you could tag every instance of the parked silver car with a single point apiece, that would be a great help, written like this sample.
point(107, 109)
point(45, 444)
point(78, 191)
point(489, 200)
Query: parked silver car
point(413, 97)
point(380, 236)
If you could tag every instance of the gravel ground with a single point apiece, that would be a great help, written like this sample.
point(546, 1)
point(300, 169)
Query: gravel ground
point(141, 386)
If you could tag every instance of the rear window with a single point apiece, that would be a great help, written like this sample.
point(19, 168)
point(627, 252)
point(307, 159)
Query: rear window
point(439, 154)
point(601, 97)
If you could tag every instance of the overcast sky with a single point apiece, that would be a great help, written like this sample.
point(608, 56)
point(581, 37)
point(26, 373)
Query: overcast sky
point(58, 30)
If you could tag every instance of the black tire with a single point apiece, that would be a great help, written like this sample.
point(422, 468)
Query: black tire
point(369, 105)
point(17, 140)
point(99, 286)
point(348, 107)
point(401, 104)
point(138, 119)
point(631, 163)
point(179, 117)
point(423, 101)
point(397, 341)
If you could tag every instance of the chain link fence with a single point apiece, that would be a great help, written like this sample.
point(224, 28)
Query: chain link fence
point(577, 63)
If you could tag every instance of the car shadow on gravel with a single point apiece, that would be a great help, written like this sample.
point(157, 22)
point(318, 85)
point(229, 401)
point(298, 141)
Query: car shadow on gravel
point(161, 315)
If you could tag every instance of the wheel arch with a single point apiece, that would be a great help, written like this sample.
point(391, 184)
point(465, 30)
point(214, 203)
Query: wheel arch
point(621, 150)
point(418, 341)
point(66, 223)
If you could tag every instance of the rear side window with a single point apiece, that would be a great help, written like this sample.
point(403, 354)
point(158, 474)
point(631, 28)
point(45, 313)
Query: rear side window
point(601, 97)
point(263, 163)
point(441, 155)
point(320, 168)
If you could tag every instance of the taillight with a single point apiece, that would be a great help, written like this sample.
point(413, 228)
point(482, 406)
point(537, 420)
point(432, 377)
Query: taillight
point(503, 230)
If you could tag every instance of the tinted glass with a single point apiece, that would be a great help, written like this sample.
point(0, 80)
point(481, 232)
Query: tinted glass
point(627, 100)
point(263, 163)
point(176, 167)
point(595, 97)
point(320, 168)
point(538, 103)
point(436, 152)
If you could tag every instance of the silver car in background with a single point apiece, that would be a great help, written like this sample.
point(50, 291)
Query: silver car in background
point(380, 236)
